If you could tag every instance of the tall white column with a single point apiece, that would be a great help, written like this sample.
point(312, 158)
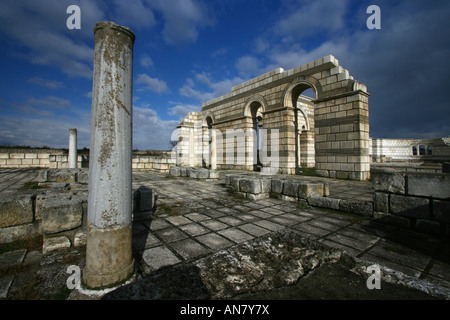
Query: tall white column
point(109, 244)
point(72, 148)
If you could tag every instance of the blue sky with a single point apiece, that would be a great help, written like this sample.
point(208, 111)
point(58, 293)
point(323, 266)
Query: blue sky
point(190, 51)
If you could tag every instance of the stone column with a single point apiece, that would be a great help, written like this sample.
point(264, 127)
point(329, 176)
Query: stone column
point(73, 148)
point(213, 149)
point(109, 258)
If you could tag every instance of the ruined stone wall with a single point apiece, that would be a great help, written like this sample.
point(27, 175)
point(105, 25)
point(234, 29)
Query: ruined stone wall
point(58, 159)
point(386, 150)
point(418, 201)
point(330, 132)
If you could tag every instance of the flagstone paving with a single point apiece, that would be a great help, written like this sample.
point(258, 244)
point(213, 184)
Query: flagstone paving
point(197, 218)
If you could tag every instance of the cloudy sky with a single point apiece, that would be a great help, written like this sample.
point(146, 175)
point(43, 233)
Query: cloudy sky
point(190, 51)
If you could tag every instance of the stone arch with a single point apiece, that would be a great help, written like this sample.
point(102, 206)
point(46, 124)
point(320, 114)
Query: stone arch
point(297, 86)
point(304, 150)
point(205, 122)
point(256, 98)
point(254, 110)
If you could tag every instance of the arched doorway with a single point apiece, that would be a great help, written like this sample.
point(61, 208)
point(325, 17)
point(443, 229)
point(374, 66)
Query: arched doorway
point(254, 110)
point(209, 157)
point(300, 98)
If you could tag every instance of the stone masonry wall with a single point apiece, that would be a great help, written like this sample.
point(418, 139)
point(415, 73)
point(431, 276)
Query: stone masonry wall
point(58, 209)
point(418, 201)
point(387, 150)
point(58, 159)
point(339, 126)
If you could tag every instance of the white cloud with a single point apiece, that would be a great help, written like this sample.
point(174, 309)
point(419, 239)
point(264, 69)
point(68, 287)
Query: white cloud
point(181, 110)
point(133, 13)
point(152, 84)
point(146, 61)
point(182, 20)
point(248, 66)
point(307, 18)
point(51, 84)
point(210, 89)
point(150, 131)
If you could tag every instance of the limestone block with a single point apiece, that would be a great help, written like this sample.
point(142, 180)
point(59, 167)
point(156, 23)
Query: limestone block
point(83, 176)
point(234, 182)
point(203, 173)
point(55, 243)
point(175, 171)
point(388, 181)
point(307, 189)
point(441, 210)
point(364, 208)
point(266, 186)
point(184, 172)
point(381, 202)
point(277, 186)
point(407, 206)
point(323, 202)
point(429, 185)
point(42, 176)
point(61, 213)
point(290, 188)
point(16, 209)
point(145, 199)
point(80, 238)
point(213, 174)
point(62, 175)
point(250, 185)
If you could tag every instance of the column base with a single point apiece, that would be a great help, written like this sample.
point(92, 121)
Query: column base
point(109, 259)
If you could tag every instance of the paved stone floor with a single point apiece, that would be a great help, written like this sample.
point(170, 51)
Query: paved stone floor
point(196, 218)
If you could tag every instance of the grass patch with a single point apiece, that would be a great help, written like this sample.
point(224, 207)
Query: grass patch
point(32, 185)
point(310, 172)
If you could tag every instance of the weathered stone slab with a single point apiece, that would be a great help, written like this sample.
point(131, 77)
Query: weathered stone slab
point(388, 181)
point(213, 174)
point(175, 171)
point(16, 209)
point(323, 202)
point(250, 185)
point(144, 199)
point(381, 202)
point(234, 182)
point(62, 175)
point(277, 186)
point(290, 188)
point(410, 206)
point(307, 189)
point(429, 185)
point(364, 208)
point(55, 243)
point(61, 213)
point(203, 173)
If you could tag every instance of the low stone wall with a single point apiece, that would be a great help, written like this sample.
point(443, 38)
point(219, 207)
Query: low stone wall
point(387, 150)
point(193, 172)
point(58, 209)
point(152, 163)
point(415, 201)
point(316, 194)
point(255, 188)
point(58, 159)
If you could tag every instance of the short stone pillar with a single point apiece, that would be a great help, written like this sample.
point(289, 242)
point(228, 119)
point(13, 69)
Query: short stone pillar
point(73, 148)
point(109, 258)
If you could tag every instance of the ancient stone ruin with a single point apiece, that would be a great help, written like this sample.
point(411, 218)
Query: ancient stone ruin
point(266, 124)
